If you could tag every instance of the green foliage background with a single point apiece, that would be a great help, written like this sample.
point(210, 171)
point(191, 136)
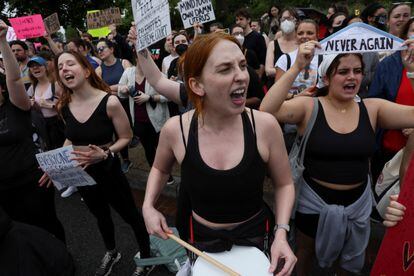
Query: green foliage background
point(72, 13)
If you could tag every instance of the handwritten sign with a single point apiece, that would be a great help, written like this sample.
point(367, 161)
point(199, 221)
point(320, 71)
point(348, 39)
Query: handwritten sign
point(28, 26)
point(52, 24)
point(193, 11)
point(154, 21)
point(63, 171)
point(396, 255)
point(360, 38)
point(101, 18)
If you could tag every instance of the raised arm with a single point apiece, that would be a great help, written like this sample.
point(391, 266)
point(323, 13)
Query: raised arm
point(270, 56)
point(291, 111)
point(17, 92)
point(168, 88)
point(55, 49)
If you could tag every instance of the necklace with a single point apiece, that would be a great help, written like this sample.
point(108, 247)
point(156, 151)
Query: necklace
point(341, 110)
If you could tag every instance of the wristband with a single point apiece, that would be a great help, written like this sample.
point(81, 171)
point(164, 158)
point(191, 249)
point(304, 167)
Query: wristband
point(281, 226)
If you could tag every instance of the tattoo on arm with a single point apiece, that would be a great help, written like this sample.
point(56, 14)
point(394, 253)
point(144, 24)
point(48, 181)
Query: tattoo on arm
point(144, 53)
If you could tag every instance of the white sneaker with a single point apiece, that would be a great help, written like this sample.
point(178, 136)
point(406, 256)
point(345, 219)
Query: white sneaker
point(69, 191)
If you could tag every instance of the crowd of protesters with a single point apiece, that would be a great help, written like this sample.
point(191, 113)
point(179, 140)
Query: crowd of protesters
point(226, 105)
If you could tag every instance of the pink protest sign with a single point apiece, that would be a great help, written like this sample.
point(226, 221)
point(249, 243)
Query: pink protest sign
point(28, 26)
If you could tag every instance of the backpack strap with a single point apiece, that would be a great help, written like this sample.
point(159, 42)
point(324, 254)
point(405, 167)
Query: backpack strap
point(289, 62)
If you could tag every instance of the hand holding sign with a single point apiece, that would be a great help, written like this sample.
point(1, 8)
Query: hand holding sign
point(395, 212)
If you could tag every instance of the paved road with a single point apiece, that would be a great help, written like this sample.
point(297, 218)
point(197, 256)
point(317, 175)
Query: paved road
point(85, 243)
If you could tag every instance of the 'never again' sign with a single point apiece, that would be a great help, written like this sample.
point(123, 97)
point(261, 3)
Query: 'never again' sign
point(360, 38)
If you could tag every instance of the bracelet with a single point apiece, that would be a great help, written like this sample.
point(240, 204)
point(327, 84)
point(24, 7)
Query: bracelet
point(281, 226)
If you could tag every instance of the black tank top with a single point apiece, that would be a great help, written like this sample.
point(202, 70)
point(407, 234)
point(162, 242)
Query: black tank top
point(340, 158)
point(97, 130)
point(224, 196)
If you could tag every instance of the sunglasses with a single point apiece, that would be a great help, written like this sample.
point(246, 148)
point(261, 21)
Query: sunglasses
point(101, 49)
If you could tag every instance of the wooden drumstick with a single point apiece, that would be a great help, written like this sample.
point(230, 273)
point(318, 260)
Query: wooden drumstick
point(203, 255)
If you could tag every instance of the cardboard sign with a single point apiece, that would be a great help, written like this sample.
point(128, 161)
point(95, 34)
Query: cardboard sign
point(63, 171)
point(396, 255)
point(101, 18)
point(28, 26)
point(153, 18)
point(52, 24)
point(360, 38)
point(193, 11)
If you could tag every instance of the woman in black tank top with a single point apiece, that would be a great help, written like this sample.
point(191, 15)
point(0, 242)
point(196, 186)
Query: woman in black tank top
point(92, 118)
point(337, 156)
point(224, 151)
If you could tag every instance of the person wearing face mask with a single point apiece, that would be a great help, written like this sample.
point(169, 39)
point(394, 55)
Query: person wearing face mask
point(251, 58)
point(286, 43)
point(336, 23)
point(375, 15)
point(180, 43)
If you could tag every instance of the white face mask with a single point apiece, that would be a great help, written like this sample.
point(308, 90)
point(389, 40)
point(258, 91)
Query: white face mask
point(240, 38)
point(287, 26)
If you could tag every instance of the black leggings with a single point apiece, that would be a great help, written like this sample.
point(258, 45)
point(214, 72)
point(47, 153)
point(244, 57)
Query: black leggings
point(308, 223)
point(149, 139)
point(112, 189)
point(33, 205)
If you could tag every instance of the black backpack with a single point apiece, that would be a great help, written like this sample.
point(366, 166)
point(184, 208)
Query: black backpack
point(39, 129)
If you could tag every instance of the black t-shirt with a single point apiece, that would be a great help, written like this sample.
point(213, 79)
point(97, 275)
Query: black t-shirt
point(252, 59)
point(255, 88)
point(17, 153)
point(256, 42)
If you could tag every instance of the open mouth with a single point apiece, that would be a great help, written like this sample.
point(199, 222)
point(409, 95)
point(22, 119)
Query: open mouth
point(237, 94)
point(350, 87)
point(68, 77)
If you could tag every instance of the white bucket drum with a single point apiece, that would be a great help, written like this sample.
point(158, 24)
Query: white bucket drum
point(245, 260)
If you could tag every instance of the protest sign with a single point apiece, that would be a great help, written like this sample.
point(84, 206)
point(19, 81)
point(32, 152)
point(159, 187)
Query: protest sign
point(359, 38)
point(154, 21)
point(52, 24)
point(63, 171)
point(101, 18)
point(28, 26)
point(193, 11)
point(100, 32)
point(396, 255)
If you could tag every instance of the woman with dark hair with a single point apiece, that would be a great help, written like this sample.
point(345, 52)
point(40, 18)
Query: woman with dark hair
point(334, 200)
point(286, 43)
point(222, 148)
point(111, 70)
point(20, 196)
point(93, 117)
point(336, 23)
point(375, 14)
point(180, 43)
point(271, 22)
point(392, 81)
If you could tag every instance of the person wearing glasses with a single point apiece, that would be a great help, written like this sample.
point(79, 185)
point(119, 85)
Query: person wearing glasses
point(111, 71)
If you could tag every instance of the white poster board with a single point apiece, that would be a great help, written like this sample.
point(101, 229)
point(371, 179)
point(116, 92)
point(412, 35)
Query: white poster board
point(193, 11)
point(152, 18)
point(63, 171)
point(360, 38)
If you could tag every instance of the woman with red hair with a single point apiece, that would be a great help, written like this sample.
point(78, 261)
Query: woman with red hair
point(224, 151)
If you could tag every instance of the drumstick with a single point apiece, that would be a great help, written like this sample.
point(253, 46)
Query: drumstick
point(203, 255)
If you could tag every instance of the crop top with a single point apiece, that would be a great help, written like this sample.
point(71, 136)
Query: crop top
point(97, 130)
point(224, 196)
point(339, 158)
